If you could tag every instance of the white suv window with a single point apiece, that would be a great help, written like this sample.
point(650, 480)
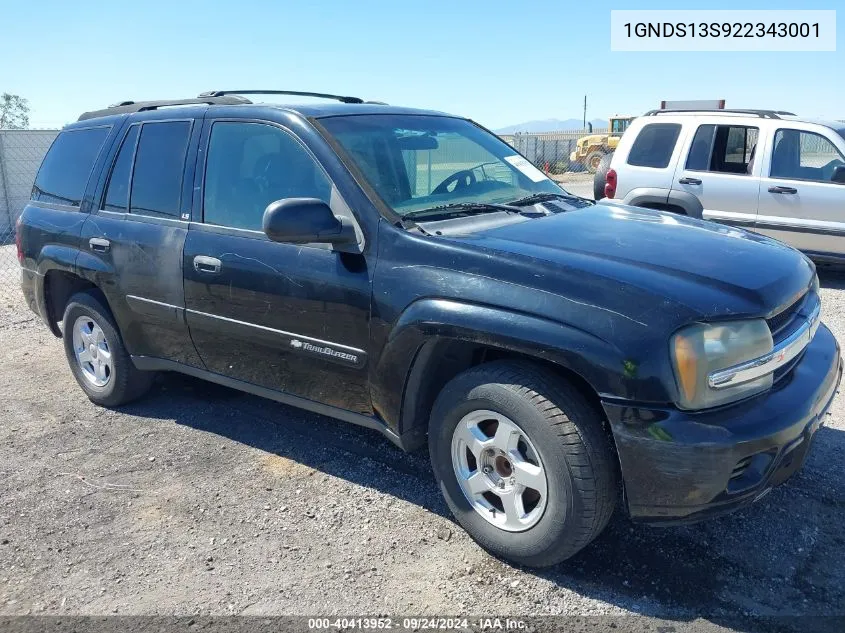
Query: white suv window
point(799, 155)
point(654, 145)
point(723, 148)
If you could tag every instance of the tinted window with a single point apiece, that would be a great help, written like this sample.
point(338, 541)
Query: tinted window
point(117, 194)
point(251, 165)
point(801, 155)
point(654, 145)
point(67, 166)
point(701, 148)
point(723, 148)
point(159, 166)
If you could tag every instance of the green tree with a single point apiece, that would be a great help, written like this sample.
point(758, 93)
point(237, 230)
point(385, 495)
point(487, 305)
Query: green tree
point(14, 112)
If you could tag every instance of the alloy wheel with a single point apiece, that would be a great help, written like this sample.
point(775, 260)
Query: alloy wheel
point(499, 470)
point(92, 351)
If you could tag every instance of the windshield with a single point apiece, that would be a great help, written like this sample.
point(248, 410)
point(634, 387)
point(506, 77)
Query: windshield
point(417, 162)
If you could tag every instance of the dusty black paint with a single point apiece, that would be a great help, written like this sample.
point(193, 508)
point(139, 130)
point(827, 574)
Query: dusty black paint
point(596, 292)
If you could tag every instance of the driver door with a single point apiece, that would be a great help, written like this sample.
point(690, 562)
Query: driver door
point(799, 202)
point(289, 317)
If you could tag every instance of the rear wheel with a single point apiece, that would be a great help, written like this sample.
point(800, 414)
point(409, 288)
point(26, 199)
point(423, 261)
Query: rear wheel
point(522, 461)
point(96, 354)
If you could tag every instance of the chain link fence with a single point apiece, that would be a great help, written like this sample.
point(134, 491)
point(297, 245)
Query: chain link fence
point(558, 153)
point(21, 152)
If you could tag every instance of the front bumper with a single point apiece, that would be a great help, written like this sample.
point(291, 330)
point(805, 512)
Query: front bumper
point(681, 467)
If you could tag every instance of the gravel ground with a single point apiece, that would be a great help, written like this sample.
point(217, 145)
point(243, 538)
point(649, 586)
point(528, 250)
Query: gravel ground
point(581, 184)
point(203, 500)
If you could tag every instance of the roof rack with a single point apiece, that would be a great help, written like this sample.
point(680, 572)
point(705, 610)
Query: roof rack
point(763, 114)
point(320, 95)
point(128, 107)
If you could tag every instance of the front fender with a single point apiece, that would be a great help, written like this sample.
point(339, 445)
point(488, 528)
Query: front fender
point(406, 357)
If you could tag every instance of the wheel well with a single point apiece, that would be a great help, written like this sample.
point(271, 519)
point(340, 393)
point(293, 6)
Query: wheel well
point(664, 206)
point(451, 357)
point(59, 287)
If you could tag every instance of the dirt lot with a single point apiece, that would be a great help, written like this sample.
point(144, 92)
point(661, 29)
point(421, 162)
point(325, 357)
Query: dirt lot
point(581, 184)
point(202, 500)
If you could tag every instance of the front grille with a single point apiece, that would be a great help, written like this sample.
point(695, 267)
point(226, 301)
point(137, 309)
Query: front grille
point(740, 468)
point(783, 319)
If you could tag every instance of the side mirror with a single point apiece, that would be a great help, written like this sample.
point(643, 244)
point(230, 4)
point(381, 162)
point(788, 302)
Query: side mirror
point(303, 221)
point(838, 174)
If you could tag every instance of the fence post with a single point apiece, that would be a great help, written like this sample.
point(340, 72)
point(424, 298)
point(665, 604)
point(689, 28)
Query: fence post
point(4, 176)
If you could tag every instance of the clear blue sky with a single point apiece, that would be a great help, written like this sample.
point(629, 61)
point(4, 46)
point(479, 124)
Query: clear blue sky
point(498, 62)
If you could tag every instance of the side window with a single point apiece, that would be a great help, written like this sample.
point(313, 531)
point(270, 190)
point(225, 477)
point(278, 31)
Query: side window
point(117, 193)
point(654, 145)
point(701, 148)
point(159, 167)
point(251, 165)
point(799, 155)
point(67, 166)
point(727, 149)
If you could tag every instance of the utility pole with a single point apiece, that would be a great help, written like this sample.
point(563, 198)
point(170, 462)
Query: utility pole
point(585, 112)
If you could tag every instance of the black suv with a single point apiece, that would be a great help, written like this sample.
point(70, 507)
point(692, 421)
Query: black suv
point(408, 271)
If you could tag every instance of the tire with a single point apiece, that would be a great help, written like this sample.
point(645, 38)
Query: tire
point(600, 178)
point(562, 433)
point(106, 375)
point(593, 160)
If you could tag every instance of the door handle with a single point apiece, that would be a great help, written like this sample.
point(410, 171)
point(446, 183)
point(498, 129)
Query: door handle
point(99, 244)
point(789, 190)
point(689, 181)
point(204, 264)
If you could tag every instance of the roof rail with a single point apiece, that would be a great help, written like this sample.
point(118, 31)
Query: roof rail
point(128, 107)
point(763, 114)
point(320, 95)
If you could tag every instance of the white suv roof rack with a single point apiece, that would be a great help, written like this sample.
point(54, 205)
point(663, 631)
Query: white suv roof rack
point(763, 114)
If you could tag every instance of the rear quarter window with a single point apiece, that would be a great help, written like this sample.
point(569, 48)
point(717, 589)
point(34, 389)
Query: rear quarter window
point(654, 145)
point(67, 166)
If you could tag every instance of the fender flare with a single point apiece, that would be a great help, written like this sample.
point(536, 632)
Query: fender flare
point(53, 257)
point(655, 195)
point(410, 357)
point(687, 201)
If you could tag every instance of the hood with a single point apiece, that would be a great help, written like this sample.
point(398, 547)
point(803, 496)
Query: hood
point(714, 270)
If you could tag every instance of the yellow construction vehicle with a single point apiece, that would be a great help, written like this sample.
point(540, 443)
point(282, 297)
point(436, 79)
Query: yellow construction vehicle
point(590, 149)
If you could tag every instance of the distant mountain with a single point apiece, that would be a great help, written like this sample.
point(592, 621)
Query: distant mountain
point(550, 125)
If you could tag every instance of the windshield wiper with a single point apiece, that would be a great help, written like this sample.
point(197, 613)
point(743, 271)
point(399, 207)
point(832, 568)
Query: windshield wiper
point(458, 208)
point(546, 196)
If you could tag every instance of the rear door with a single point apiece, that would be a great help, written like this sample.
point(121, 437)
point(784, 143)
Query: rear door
point(138, 233)
point(799, 202)
point(292, 318)
point(718, 167)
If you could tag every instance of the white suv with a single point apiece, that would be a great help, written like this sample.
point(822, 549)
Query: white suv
point(767, 171)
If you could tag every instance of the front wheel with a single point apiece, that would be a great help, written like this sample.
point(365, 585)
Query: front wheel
point(522, 461)
point(95, 353)
point(593, 161)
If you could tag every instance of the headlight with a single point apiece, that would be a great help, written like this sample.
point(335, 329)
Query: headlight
point(702, 348)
